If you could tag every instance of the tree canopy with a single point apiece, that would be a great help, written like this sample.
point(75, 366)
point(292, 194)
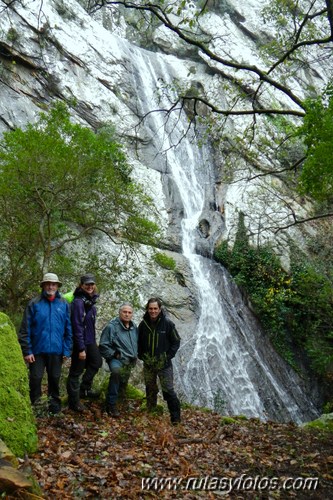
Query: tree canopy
point(61, 182)
point(316, 177)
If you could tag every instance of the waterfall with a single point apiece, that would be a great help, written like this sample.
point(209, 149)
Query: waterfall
point(227, 365)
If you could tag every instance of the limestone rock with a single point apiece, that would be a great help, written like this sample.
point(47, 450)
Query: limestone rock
point(12, 480)
point(7, 455)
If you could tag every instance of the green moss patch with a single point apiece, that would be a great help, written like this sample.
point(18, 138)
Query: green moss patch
point(17, 422)
point(228, 421)
point(134, 393)
point(325, 422)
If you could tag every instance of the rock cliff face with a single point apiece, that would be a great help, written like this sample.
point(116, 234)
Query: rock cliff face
point(54, 50)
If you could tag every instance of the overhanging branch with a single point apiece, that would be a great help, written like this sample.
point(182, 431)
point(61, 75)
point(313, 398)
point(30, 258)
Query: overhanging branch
point(303, 221)
point(263, 76)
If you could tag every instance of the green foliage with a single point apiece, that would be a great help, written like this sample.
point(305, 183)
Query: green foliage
point(61, 182)
point(259, 273)
point(228, 421)
point(64, 11)
point(295, 309)
point(328, 407)
point(164, 261)
point(157, 363)
point(323, 423)
point(311, 316)
point(12, 35)
point(17, 423)
point(316, 178)
point(134, 393)
point(157, 410)
point(219, 401)
point(292, 22)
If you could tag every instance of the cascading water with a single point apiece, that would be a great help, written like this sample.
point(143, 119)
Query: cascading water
point(227, 362)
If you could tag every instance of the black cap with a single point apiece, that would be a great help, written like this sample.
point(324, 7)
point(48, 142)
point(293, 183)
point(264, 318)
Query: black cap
point(87, 278)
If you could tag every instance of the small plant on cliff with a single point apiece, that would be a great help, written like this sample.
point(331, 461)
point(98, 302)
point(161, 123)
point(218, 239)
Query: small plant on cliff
point(13, 35)
point(164, 261)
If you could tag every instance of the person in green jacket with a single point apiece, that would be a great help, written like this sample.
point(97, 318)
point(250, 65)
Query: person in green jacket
point(119, 347)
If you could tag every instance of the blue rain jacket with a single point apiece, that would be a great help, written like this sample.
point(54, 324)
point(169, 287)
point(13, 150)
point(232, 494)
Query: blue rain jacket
point(46, 327)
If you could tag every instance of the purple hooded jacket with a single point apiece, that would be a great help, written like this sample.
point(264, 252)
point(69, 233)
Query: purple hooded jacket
point(83, 316)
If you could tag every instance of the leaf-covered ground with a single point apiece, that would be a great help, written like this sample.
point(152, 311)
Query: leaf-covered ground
point(95, 456)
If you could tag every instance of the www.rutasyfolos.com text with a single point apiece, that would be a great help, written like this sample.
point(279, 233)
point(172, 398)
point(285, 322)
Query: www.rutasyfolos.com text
point(228, 484)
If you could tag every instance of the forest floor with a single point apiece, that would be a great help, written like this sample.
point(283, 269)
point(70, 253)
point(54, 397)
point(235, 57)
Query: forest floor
point(139, 456)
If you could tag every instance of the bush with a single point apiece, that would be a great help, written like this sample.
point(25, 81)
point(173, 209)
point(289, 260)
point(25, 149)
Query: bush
point(164, 261)
point(295, 309)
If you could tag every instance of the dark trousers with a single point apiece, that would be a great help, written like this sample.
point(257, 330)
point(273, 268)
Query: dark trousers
point(119, 376)
point(88, 367)
point(52, 363)
point(166, 379)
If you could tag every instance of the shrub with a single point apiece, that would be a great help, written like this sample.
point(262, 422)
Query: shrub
point(164, 261)
point(295, 309)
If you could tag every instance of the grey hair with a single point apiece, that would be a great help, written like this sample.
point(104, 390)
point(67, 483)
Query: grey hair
point(125, 304)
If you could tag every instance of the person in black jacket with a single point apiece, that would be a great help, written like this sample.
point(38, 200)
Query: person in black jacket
point(158, 343)
point(86, 358)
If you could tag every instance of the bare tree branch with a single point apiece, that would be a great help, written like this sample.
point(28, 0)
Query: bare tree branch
point(241, 112)
point(329, 5)
point(290, 168)
point(7, 4)
point(300, 38)
point(303, 221)
point(263, 76)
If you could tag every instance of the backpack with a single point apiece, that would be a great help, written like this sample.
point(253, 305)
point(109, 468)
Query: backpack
point(69, 296)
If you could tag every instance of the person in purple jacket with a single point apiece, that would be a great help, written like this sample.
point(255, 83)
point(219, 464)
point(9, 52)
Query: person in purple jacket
point(86, 358)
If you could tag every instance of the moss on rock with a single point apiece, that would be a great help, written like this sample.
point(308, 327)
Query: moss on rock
point(228, 421)
point(17, 422)
point(325, 422)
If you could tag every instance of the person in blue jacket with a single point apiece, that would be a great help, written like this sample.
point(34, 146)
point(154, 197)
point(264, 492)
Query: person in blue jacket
point(86, 358)
point(45, 337)
point(119, 346)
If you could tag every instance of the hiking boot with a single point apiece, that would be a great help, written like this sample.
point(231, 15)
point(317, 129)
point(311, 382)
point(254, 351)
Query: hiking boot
point(54, 411)
point(175, 421)
point(112, 411)
point(78, 408)
point(54, 407)
point(88, 394)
